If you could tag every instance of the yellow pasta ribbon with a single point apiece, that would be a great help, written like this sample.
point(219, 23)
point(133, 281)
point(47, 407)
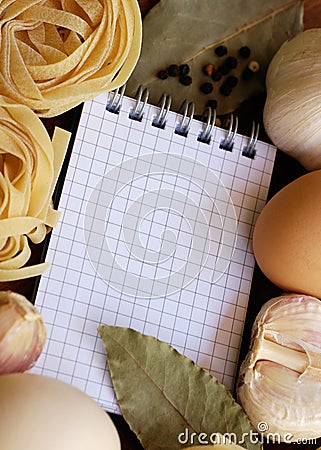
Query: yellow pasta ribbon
point(30, 164)
point(55, 54)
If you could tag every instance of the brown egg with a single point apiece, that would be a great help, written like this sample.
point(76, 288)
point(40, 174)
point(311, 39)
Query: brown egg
point(42, 413)
point(287, 236)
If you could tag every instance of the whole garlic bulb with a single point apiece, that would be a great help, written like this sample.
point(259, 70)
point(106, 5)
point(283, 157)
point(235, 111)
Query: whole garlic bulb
point(279, 382)
point(292, 113)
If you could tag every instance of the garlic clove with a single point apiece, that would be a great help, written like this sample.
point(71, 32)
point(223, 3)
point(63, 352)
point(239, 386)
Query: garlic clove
point(279, 380)
point(22, 333)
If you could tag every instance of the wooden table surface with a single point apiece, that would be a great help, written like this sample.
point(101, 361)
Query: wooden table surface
point(312, 19)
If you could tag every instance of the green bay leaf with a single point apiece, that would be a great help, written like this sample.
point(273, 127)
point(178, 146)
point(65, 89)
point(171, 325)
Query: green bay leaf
point(163, 394)
point(187, 31)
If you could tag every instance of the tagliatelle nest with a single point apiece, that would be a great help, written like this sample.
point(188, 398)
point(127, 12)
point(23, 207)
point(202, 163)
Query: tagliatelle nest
point(57, 53)
point(29, 167)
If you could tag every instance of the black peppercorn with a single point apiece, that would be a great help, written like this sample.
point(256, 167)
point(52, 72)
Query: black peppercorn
point(231, 81)
point(184, 69)
point(162, 74)
point(206, 88)
point(212, 104)
point(231, 62)
point(244, 51)
point(225, 90)
point(224, 69)
point(221, 50)
point(173, 70)
point(216, 75)
point(186, 80)
point(250, 70)
point(247, 74)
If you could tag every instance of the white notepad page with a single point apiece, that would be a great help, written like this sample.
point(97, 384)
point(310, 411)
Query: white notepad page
point(155, 235)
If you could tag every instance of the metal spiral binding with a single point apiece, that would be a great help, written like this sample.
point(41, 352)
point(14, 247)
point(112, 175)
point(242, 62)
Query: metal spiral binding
point(165, 104)
point(187, 110)
point(141, 100)
point(116, 99)
point(228, 142)
point(206, 134)
point(249, 150)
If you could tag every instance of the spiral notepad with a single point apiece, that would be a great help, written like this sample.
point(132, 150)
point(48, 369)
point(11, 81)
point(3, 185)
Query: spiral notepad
point(155, 234)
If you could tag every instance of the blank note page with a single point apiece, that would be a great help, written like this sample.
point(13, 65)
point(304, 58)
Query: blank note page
point(155, 234)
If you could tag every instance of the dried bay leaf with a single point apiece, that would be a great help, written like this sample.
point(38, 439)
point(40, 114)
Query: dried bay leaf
point(163, 394)
point(188, 31)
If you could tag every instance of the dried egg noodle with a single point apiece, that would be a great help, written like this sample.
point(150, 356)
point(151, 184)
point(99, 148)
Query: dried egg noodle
point(57, 53)
point(29, 166)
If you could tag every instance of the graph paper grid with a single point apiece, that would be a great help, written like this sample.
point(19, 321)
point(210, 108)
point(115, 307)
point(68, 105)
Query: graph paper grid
point(155, 235)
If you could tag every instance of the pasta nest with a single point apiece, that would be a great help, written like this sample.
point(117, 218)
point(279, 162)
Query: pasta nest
point(56, 54)
point(30, 163)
